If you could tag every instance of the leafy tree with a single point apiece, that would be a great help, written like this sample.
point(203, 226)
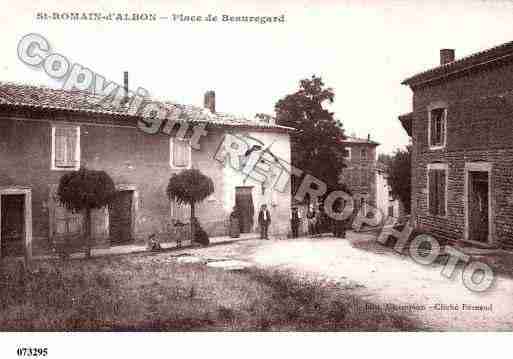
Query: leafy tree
point(399, 176)
point(316, 146)
point(190, 187)
point(83, 191)
point(385, 158)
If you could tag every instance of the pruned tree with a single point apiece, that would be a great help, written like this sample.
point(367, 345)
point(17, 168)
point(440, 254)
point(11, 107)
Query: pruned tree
point(316, 148)
point(399, 176)
point(189, 187)
point(83, 191)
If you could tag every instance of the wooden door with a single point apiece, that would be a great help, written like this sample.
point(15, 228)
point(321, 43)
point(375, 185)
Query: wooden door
point(120, 218)
point(479, 206)
point(245, 207)
point(13, 224)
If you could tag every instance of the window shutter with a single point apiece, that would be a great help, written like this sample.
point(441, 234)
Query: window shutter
point(438, 134)
point(432, 124)
point(443, 121)
point(65, 146)
point(432, 192)
point(60, 147)
point(180, 153)
point(437, 124)
point(71, 145)
point(441, 192)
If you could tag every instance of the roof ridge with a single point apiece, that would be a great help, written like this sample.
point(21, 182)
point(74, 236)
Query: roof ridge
point(458, 62)
point(43, 87)
point(40, 96)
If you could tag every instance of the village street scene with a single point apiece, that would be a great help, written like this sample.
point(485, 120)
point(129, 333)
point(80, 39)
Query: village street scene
point(365, 185)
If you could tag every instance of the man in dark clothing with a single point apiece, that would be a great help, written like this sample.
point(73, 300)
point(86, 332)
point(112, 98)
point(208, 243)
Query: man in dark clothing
point(264, 220)
point(312, 218)
point(339, 226)
point(295, 219)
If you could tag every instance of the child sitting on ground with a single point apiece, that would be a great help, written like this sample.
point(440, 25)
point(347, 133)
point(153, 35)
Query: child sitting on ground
point(154, 243)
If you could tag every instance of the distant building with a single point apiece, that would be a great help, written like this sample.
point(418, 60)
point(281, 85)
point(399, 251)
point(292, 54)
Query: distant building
point(388, 205)
point(360, 174)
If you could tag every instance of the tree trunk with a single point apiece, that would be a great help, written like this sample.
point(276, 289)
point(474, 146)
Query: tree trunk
point(192, 221)
point(87, 228)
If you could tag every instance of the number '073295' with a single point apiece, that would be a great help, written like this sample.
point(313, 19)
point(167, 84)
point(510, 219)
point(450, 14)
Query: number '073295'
point(32, 352)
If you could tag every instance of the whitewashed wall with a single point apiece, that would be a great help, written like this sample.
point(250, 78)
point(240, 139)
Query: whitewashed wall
point(278, 202)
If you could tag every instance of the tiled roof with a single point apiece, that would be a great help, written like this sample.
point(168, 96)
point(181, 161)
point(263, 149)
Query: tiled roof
point(362, 141)
point(406, 120)
point(40, 97)
point(483, 58)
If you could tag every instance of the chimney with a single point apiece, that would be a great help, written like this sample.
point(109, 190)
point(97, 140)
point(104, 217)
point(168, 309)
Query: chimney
point(210, 101)
point(446, 56)
point(125, 84)
point(368, 137)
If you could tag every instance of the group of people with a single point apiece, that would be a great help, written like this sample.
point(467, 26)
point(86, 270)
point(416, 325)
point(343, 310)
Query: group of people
point(317, 221)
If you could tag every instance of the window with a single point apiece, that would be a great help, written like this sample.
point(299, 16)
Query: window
point(180, 153)
point(437, 127)
point(437, 189)
point(65, 147)
point(363, 206)
point(347, 154)
point(363, 154)
point(363, 176)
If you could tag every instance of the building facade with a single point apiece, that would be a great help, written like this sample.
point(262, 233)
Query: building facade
point(389, 206)
point(45, 133)
point(462, 161)
point(360, 174)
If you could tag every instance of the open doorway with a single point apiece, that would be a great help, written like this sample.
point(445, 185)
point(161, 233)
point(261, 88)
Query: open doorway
point(15, 222)
point(479, 205)
point(13, 225)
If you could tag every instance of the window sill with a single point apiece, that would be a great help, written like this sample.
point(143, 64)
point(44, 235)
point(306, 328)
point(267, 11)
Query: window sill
point(65, 168)
point(438, 216)
point(436, 148)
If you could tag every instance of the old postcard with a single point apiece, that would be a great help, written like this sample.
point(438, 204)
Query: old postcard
point(255, 166)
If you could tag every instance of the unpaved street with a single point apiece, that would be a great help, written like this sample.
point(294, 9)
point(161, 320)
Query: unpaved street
point(381, 277)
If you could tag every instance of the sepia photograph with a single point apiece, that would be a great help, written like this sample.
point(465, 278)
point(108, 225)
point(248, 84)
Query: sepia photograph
point(307, 167)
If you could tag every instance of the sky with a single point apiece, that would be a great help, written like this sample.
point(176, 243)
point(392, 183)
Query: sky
point(361, 49)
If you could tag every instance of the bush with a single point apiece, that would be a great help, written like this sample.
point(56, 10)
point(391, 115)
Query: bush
point(85, 190)
point(190, 187)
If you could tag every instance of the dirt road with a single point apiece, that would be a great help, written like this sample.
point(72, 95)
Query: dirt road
point(391, 281)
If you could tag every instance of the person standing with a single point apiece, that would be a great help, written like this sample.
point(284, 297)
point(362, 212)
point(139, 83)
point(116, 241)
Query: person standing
point(295, 220)
point(311, 217)
point(319, 220)
point(235, 223)
point(264, 220)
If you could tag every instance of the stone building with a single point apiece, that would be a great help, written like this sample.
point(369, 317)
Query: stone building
point(45, 133)
point(462, 161)
point(360, 173)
